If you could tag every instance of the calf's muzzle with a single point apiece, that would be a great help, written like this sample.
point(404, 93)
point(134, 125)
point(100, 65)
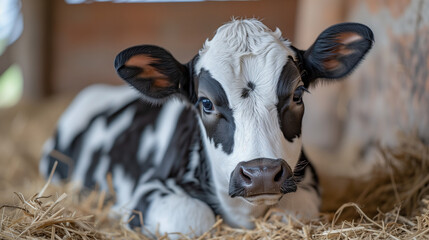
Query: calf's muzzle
point(261, 176)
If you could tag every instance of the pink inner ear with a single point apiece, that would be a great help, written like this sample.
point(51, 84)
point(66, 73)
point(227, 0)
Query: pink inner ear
point(341, 49)
point(140, 60)
point(161, 83)
point(149, 72)
point(331, 64)
point(344, 39)
point(348, 37)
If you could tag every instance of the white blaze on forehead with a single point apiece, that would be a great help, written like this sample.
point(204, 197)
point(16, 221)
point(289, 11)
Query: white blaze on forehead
point(238, 39)
point(243, 37)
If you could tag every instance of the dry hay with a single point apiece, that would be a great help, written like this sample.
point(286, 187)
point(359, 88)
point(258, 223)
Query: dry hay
point(55, 218)
point(393, 205)
point(403, 191)
point(401, 182)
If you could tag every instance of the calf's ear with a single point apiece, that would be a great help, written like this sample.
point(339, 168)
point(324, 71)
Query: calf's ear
point(155, 73)
point(335, 53)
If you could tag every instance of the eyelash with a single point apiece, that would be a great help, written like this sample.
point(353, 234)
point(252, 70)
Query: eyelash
point(299, 92)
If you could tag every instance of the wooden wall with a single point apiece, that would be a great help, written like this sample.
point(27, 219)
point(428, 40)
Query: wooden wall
point(85, 38)
point(387, 94)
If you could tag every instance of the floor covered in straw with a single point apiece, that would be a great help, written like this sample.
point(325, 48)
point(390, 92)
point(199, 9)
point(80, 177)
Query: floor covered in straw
point(394, 204)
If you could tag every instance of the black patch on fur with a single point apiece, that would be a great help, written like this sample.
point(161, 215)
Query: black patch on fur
point(290, 114)
point(222, 128)
point(245, 93)
point(203, 189)
point(179, 147)
point(251, 86)
point(300, 170)
point(95, 161)
point(191, 87)
point(63, 168)
point(125, 148)
point(72, 152)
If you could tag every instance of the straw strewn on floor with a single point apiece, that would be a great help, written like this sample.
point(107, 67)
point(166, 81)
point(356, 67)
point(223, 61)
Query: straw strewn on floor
point(394, 205)
point(49, 217)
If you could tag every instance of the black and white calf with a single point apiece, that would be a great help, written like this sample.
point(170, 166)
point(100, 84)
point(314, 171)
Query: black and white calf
point(218, 135)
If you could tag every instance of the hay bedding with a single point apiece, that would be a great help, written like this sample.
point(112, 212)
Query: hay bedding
point(393, 205)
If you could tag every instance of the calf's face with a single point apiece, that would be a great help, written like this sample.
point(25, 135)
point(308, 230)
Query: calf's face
point(247, 84)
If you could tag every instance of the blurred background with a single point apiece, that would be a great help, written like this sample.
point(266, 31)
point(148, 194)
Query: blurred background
point(51, 49)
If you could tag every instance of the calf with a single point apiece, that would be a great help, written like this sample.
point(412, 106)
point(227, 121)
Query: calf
point(218, 135)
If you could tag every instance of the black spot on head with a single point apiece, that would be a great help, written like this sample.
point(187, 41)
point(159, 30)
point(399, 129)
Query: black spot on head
point(251, 86)
point(245, 92)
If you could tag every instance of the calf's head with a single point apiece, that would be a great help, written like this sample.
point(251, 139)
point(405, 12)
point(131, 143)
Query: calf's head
point(247, 84)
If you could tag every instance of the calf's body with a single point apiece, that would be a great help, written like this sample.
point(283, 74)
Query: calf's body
point(218, 135)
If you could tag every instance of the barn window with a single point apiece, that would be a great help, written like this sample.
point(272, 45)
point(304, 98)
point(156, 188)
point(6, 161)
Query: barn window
point(10, 86)
point(11, 27)
point(11, 22)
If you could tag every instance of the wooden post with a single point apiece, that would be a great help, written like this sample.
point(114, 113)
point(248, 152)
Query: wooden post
point(31, 50)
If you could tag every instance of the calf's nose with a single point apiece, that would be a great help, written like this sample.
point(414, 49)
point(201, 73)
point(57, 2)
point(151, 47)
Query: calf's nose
point(261, 176)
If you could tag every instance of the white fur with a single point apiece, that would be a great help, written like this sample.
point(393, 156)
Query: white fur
point(90, 101)
point(123, 185)
point(100, 172)
point(125, 206)
point(176, 212)
point(179, 213)
point(245, 51)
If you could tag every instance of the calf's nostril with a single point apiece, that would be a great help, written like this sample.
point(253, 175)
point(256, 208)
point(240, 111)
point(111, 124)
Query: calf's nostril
point(245, 175)
point(279, 175)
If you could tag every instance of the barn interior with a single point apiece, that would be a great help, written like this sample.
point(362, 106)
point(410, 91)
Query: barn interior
point(367, 135)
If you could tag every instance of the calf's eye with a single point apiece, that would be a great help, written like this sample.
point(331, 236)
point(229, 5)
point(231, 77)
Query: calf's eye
point(297, 95)
point(207, 105)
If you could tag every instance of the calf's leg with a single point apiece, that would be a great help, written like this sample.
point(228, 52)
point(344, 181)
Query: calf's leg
point(167, 208)
point(179, 213)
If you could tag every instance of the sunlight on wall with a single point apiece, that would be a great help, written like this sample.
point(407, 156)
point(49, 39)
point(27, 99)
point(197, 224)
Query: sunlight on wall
point(11, 22)
point(11, 83)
